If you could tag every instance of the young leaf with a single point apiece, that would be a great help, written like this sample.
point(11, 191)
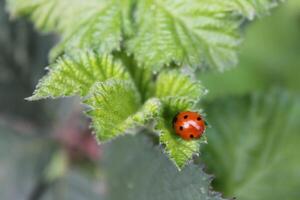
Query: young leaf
point(102, 32)
point(75, 74)
point(185, 32)
point(179, 150)
point(151, 110)
point(175, 84)
point(111, 103)
point(95, 24)
point(61, 16)
point(142, 76)
point(254, 146)
point(178, 93)
point(137, 170)
point(116, 107)
point(158, 33)
point(250, 8)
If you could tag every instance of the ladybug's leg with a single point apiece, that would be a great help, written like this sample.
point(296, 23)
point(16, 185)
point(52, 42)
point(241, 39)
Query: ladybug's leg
point(206, 123)
point(175, 119)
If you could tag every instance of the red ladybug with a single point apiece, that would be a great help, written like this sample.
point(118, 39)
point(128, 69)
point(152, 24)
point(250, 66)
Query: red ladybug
point(189, 125)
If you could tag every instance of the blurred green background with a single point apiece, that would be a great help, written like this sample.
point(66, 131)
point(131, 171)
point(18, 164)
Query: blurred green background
point(48, 152)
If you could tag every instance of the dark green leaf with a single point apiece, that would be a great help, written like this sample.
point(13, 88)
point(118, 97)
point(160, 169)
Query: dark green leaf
point(137, 170)
point(253, 146)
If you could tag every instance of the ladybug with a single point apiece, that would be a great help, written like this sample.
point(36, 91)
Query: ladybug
point(189, 125)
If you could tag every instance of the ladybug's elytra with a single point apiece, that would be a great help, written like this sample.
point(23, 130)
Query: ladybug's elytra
point(189, 125)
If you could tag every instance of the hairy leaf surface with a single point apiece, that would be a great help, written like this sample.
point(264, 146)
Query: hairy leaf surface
point(93, 24)
point(75, 75)
point(185, 32)
point(178, 93)
point(194, 32)
point(111, 103)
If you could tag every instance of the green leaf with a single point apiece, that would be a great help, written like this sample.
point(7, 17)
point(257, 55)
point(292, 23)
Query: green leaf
point(113, 115)
point(151, 110)
point(135, 169)
point(111, 103)
point(142, 76)
point(115, 108)
point(95, 24)
point(185, 32)
point(189, 32)
point(178, 93)
point(75, 74)
point(179, 150)
point(251, 8)
point(143, 79)
point(102, 31)
point(175, 84)
point(61, 16)
point(158, 33)
point(254, 146)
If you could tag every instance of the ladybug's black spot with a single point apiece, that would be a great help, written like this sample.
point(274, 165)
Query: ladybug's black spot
point(185, 116)
point(181, 128)
point(191, 136)
point(199, 118)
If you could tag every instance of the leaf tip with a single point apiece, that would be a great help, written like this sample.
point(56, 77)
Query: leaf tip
point(34, 97)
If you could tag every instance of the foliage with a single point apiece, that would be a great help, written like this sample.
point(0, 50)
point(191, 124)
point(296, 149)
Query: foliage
point(115, 101)
point(269, 56)
point(149, 174)
point(185, 32)
point(130, 63)
point(75, 75)
point(253, 146)
point(93, 58)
